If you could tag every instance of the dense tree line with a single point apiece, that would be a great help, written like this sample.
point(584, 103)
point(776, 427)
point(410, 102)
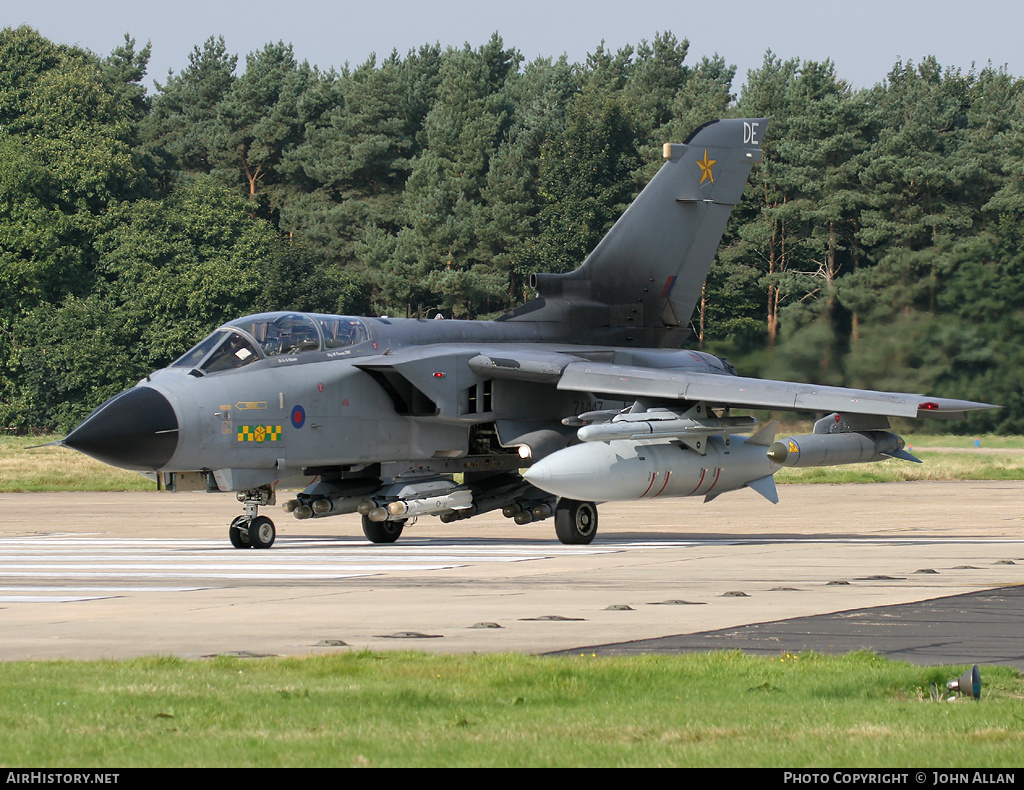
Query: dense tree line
point(879, 244)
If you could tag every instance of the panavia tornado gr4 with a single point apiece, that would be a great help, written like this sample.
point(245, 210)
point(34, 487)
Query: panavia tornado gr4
point(585, 388)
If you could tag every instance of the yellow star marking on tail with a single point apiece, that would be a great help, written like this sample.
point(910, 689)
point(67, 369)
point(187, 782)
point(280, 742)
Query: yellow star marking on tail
point(705, 168)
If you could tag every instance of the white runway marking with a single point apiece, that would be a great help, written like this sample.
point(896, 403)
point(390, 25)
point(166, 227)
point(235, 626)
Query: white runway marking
point(49, 598)
point(65, 568)
point(77, 558)
point(118, 589)
point(200, 574)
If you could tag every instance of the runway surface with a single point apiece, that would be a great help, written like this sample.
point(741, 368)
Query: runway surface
point(976, 628)
point(925, 572)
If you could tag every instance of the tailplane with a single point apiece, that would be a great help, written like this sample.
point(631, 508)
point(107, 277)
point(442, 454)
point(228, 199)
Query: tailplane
point(641, 283)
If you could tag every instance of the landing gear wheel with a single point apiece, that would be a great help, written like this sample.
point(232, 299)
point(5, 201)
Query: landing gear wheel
point(262, 533)
point(238, 532)
point(382, 531)
point(575, 522)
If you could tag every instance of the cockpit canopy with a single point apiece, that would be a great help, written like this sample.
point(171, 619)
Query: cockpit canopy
point(254, 337)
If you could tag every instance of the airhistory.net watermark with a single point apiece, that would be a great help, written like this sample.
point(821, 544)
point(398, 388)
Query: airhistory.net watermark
point(61, 778)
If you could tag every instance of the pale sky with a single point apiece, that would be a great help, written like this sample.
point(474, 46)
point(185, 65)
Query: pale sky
point(864, 38)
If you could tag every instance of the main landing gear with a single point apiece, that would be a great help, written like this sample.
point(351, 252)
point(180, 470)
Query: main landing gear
point(252, 531)
point(575, 522)
point(382, 531)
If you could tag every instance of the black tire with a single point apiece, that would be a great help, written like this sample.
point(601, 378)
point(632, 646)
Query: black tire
point(382, 531)
point(238, 533)
point(575, 522)
point(262, 533)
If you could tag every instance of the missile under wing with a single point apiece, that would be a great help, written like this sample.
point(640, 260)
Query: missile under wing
point(577, 397)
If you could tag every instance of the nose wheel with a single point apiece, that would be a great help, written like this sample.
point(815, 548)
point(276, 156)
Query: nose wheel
point(255, 533)
point(252, 531)
point(261, 533)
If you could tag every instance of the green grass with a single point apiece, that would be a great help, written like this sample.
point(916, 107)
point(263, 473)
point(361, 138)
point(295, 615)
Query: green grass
point(406, 709)
point(985, 441)
point(59, 469)
point(939, 465)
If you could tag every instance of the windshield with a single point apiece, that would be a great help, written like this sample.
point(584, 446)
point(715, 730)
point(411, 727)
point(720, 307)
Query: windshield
point(198, 352)
point(222, 350)
point(234, 352)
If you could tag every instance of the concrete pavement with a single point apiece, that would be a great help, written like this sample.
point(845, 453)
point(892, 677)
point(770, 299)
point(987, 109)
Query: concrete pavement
point(130, 574)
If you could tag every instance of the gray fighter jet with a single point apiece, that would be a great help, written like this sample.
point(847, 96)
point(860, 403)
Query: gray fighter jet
point(584, 387)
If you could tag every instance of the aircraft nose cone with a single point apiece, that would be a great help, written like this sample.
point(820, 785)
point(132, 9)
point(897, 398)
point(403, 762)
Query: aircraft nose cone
point(134, 430)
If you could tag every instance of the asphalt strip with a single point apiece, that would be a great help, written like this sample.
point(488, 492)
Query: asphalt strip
point(985, 627)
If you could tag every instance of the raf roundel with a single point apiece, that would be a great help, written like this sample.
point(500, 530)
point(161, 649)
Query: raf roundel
point(298, 416)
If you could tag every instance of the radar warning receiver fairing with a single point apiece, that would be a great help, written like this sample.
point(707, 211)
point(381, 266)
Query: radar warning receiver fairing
point(584, 387)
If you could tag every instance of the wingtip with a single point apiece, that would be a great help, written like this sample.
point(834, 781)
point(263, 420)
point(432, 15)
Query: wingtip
point(950, 408)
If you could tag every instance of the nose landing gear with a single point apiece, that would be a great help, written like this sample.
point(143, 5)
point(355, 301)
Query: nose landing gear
point(252, 531)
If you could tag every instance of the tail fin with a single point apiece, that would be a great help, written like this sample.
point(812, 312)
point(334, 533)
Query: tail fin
point(641, 283)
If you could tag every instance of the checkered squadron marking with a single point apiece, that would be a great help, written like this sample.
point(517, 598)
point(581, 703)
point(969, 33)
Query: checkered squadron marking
point(259, 433)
